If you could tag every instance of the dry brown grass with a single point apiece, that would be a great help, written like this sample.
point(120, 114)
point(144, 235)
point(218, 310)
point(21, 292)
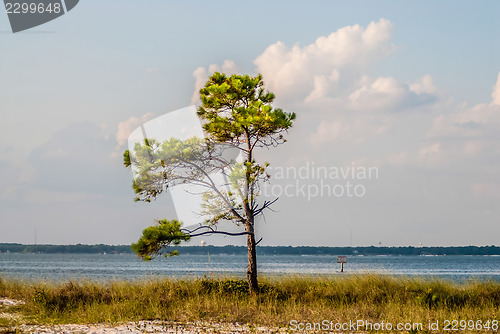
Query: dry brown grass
point(374, 298)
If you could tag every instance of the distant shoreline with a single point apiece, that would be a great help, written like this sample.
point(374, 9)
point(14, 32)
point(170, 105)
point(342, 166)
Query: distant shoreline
point(263, 250)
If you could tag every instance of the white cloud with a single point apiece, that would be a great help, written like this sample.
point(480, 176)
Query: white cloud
point(496, 92)
point(327, 78)
point(125, 128)
point(389, 94)
point(473, 147)
point(457, 135)
point(370, 111)
point(348, 128)
point(479, 121)
point(430, 153)
point(485, 189)
point(424, 86)
point(322, 85)
point(482, 120)
point(329, 132)
point(300, 72)
point(201, 75)
point(381, 93)
point(400, 158)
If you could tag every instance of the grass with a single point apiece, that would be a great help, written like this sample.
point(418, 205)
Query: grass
point(373, 298)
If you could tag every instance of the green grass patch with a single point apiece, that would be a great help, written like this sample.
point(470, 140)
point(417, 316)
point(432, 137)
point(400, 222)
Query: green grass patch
point(373, 298)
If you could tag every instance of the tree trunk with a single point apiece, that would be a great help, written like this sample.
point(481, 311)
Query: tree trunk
point(252, 260)
point(253, 285)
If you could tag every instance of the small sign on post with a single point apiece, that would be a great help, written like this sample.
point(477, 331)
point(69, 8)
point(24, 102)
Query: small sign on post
point(341, 260)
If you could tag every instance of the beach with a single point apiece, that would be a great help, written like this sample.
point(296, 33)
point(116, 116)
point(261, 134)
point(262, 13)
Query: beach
point(151, 327)
point(156, 326)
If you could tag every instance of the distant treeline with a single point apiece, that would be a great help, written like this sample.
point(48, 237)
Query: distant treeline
point(264, 250)
point(74, 249)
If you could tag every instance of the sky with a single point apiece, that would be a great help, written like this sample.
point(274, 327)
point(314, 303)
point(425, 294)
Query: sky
point(407, 90)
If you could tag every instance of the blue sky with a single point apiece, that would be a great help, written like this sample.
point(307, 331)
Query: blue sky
point(407, 87)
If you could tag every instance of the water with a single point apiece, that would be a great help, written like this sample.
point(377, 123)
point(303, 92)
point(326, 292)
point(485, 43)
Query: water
point(128, 267)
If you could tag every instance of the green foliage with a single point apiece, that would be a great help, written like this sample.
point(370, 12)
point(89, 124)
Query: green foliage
point(70, 296)
point(40, 297)
point(238, 107)
point(159, 166)
point(428, 298)
point(228, 286)
point(236, 110)
point(156, 239)
point(127, 162)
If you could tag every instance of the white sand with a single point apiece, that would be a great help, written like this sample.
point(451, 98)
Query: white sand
point(151, 327)
point(133, 327)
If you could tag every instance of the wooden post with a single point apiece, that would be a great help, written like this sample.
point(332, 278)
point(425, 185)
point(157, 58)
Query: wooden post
point(341, 260)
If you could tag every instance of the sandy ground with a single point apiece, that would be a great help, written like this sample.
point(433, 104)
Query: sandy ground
point(151, 327)
point(132, 327)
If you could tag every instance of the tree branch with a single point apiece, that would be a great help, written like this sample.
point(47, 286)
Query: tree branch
point(210, 230)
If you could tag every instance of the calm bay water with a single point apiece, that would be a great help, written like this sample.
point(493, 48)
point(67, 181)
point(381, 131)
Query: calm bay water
point(128, 267)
